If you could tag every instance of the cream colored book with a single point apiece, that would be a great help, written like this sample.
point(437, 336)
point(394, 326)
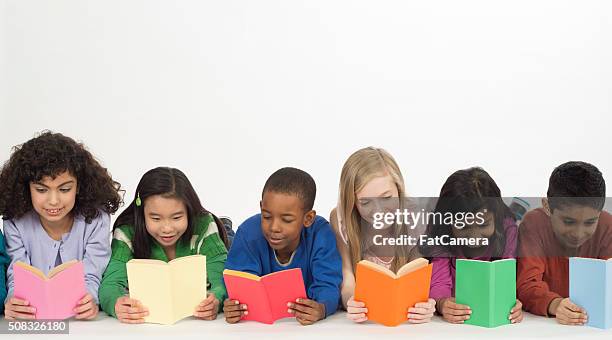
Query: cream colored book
point(170, 290)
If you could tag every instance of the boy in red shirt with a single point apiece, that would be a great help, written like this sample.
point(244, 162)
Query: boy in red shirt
point(570, 223)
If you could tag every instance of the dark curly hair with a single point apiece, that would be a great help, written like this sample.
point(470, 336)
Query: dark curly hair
point(49, 155)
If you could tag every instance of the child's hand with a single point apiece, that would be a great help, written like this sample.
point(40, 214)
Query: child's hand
point(454, 312)
point(306, 311)
point(422, 312)
point(87, 309)
point(568, 313)
point(233, 310)
point(15, 308)
point(207, 309)
point(356, 310)
point(130, 310)
point(516, 314)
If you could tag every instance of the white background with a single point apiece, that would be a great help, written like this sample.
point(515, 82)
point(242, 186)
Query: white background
point(229, 91)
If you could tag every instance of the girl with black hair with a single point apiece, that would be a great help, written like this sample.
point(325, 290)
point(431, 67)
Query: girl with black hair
point(164, 221)
point(470, 191)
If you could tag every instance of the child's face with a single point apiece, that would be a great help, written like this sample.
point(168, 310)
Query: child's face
point(376, 196)
point(574, 225)
point(166, 219)
point(476, 230)
point(53, 199)
point(282, 220)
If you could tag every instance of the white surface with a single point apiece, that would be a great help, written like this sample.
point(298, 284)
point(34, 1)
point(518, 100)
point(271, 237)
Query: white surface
point(335, 327)
point(231, 90)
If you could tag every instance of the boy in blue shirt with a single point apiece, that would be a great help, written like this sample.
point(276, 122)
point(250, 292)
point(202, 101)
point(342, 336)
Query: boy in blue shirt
point(288, 234)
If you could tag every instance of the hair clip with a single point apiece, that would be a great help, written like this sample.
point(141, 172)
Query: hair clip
point(138, 200)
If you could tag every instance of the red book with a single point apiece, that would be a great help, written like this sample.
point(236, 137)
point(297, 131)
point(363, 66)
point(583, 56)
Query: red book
point(267, 296)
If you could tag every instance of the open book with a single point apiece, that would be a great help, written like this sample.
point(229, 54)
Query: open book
point(170, 290)
point(489, 288)
point(388, 295)
point(54, 295)
point(590, 286)
point(266, 296)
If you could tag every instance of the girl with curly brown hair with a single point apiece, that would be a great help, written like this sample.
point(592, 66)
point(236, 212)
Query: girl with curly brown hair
point(56, 200)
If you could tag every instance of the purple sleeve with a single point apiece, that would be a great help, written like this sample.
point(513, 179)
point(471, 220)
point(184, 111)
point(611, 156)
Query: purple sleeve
point(441, 279)
point(511, 231)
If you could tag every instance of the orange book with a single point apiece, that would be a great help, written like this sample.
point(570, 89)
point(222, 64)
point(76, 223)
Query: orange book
point(387, 295)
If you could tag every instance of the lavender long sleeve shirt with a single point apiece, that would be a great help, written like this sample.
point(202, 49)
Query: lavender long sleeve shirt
point(28, 242)
point(443, 272)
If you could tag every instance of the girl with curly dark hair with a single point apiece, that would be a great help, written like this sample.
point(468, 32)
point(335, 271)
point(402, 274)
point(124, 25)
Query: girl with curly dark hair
point(56, 201)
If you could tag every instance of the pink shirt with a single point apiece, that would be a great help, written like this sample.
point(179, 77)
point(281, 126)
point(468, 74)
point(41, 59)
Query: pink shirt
point(443, 273)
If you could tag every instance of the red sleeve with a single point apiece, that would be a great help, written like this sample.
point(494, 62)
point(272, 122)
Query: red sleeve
point(532, 290)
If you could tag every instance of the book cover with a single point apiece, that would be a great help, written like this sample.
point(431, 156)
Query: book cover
point(489, 288)
point(266, 296)
point(170, 290)
point(388, 295)
point(590, 285)
point(54, 295)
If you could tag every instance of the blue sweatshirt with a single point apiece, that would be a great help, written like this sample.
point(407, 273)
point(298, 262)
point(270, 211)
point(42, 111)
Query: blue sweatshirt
point(316, 255)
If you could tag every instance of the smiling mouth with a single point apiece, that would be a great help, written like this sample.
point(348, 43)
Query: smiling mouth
point(275, 240)
point(167, 238)
point(54, 212)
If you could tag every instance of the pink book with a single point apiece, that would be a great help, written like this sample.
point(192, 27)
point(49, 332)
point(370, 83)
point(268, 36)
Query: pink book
point(266, 296)
point(55, 295)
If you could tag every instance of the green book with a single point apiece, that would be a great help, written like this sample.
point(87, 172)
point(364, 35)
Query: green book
point(489, 288)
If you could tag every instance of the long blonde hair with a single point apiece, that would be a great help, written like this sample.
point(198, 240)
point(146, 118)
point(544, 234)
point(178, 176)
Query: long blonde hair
point(359, 169)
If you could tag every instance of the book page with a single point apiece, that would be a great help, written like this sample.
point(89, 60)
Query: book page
point(35, 271)
point(377, 268)
point(412, 266)
point(61, 267)
point(188, 285)
point(151, 285)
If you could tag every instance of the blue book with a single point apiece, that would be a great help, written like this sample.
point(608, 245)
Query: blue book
point(591, 289)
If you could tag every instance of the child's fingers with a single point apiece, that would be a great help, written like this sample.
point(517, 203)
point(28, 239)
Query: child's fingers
point(206, 308)
point(419, 310)
point(357, 317)
point(134, 316)
point(19, 315)
point(418, 319)
point(83, 308)
point(23, 309)
point(18, 302)
point(353, 303)
point(304, 322)
point(88, 314)
point(234, 308)
point(572, 315)
point(207, 315)
point(356, 310)
point(305, 316)
point(514, 316)
point(573, 307)
point(518, 306)
point(85, 299)
point(458, 311)
point(235, 314)
point(307, 302)
point(430, 304)
point(296, 307)
point(456, 318)
point(413, 316)
point(570, 319)
point(131, 321)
